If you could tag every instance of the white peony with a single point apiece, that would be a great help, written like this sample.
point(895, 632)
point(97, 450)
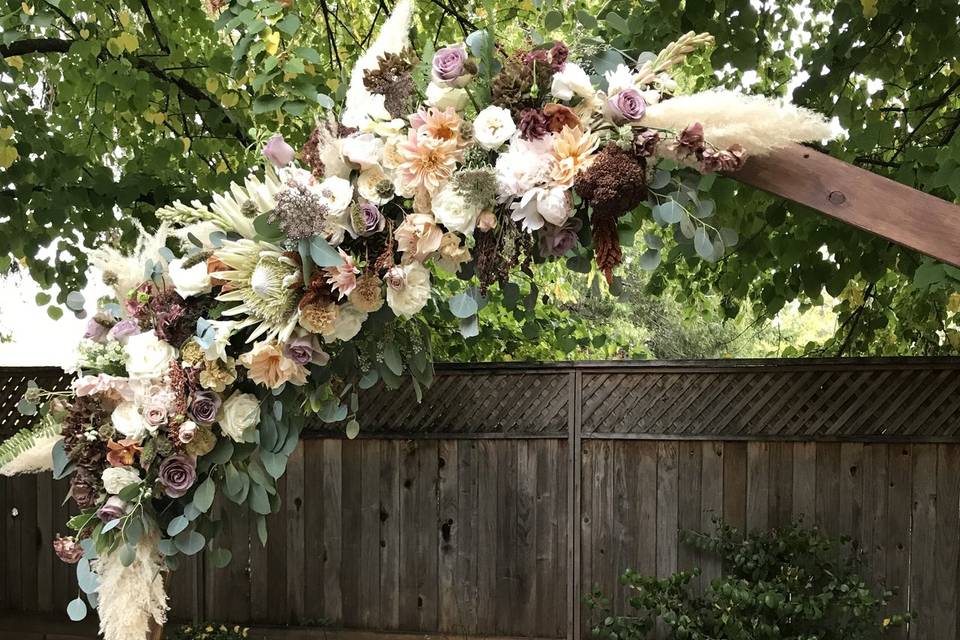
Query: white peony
point(189, 281)
point(443, 97)
point(347, 325)
point(541, 205)
point(336, 194)
point(363, 149)
point(408, 289)
point(452, 211)
point(128, 422)
point(571, 81)
point(524, 166)
point(116, 479)
point(148, 356)
point(239, 414)
point(493, 126)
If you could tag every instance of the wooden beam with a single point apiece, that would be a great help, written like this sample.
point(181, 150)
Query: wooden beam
point(903, 215)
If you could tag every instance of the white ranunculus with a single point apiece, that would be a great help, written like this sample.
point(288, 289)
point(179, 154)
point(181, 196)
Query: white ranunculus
point(454, 212)
point(116, 479)
point(347, 325)
point(408, 289)
point(493, 126)
point(148, 356)
point(521, 168)
point(443, 97)
point(189, 281)
point(363, 149)
point(336, 194)
point(571, 81)
point(239, 414)
point(128, 422)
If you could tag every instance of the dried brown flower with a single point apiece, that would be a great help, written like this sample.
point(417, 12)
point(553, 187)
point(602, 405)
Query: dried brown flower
point(606, 244)
point(533, 124)
point(614, 184)
point(560, 116)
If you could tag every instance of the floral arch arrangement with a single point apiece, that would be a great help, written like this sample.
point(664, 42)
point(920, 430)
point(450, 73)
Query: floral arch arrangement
point(284, 295)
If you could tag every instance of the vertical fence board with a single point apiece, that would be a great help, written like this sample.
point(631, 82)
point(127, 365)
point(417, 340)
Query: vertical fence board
point(758, 485)
point(947, 553)
point(711, 505)
point(690, 464)
point(389, 551)
point(352, 553)
point(313, 523)
point(805, 483)
point(781, 484)
point(549, 484)
point(899, 469)
point(735, 484)
point(332, 530)
point(13, 515)
point(45, 556)
point(448, 539)
point(923, 559)
point(851, 489)
point(525, 621)
point(369, 535)
point(427, 578)
point(487, 541)
point(467, 522)
point(873, 525)
point(828, 487)
point(293, 510)
point(506, 589)
point(667, 514)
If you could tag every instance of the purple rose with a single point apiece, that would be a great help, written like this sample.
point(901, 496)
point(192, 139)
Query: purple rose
point(95, 331)
point(373, 220)
point(278, 152)
point(627, 106)
point(177, 474)
point(112, 509)
point(556, 241)
point(124, 329)
point(303, 350)
point(448, 63)
point(204, 407)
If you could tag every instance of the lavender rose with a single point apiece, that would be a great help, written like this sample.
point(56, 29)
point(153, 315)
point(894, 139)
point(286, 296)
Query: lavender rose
point(95, 331)
point(373, 221)
point(155, 415)
point(278, 152)
point(124, 329)
point(112, 509)
point(303, 350)
point(67, 549)
point(627, 106)
point(556, 241)
point(204, 406)
point(448, 63)
point(177, 475)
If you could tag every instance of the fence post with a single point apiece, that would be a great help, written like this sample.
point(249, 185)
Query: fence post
point(573, 492)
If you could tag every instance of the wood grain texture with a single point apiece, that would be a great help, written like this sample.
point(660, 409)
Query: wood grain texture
point(894, 211)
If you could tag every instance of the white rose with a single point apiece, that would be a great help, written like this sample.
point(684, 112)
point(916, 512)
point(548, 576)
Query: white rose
point(239, 414)
point(347, 325)
point(493, 126)
point(367, 185)
point(336, 194)
point(128, 422)
point(191, 281)
point(443, 97)
point(452, 211)
point(148, 356)
point(116, 479)
point(408, 289)
point(571, 81)
point(364, 149)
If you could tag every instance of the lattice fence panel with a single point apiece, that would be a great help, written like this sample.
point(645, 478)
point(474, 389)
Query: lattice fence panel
point(522, 402)
point(13, 383)
point(796, 402)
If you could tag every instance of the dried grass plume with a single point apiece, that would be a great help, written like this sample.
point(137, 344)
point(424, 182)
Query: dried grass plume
point(758, 124)
point(129, 597)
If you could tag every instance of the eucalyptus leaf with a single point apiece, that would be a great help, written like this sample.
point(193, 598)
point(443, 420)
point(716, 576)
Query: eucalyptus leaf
point(127, 555)
point(391, 357)
point(353, 429)
point(177, 526)
point(470, 327)
point(702, 244)
point(77, 610)
point(323, 254)
point(190, 543)
point(203, 496)
point(650, 259)
point(369, 379)
point(461, 306)
point(259, 502)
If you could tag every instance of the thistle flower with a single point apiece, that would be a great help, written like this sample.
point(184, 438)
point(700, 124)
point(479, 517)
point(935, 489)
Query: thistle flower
point(263, 282)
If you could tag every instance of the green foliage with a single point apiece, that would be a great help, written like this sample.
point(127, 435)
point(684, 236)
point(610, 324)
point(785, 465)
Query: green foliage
point(789, 584)
point(111, 109)
point(208, 631)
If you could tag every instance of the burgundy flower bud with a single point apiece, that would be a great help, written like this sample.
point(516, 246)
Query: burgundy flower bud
point(67, 549)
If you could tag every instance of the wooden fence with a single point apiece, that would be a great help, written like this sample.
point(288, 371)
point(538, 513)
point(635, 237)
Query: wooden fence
point(491, 507)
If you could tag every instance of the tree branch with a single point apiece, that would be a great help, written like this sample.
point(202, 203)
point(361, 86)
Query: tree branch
point(153, 24)
point(34, 45)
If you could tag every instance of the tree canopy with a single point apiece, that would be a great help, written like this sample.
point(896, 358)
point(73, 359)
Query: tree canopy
point(112, 108)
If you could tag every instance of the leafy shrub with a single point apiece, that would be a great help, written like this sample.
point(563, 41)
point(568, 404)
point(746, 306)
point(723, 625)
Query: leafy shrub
point(787, 584)
point(209, 631)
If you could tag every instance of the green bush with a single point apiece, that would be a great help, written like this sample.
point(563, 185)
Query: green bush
point(786, 584)
point(209, 631)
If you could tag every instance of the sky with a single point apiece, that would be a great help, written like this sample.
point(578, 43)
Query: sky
point(35, 338)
